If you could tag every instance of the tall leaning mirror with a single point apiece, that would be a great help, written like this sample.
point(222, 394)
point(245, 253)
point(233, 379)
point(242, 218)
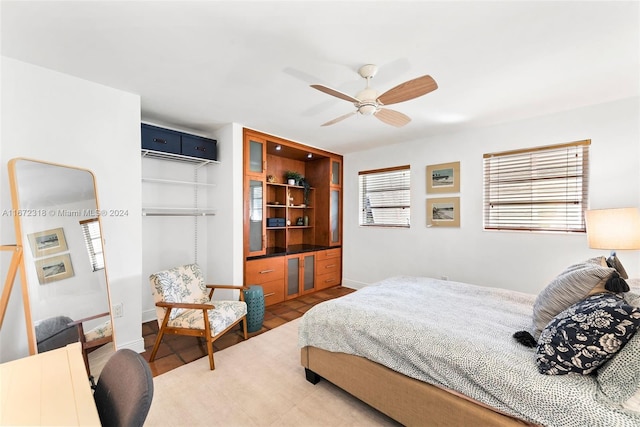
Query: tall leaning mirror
point(65, 286)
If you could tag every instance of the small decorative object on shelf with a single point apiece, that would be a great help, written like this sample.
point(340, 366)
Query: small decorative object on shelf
point(271, 179)
point(293, 178)
point(307, 190)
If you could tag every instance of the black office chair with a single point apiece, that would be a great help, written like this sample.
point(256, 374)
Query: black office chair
point(124, 391)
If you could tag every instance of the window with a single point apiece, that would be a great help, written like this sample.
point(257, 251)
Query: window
point(537, 189)
point(91, 231)
point(384, 197)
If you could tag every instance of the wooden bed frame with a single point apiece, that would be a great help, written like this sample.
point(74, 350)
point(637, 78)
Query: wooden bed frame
point(406, 400)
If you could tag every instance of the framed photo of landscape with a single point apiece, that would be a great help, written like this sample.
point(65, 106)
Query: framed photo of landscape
point(47, 242)
point(443, 178)
point(54, 268)
point(443, 212)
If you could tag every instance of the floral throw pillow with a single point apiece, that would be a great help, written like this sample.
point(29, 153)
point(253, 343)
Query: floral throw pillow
point(586, 335)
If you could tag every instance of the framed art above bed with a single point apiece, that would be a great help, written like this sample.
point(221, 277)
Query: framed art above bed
point(443, 178)
point(443, 212)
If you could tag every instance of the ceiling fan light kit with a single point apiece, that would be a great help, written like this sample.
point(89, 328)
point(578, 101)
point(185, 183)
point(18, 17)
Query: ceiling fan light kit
point(367, 101)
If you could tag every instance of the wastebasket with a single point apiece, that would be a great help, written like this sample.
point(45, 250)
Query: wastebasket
point(254, 297)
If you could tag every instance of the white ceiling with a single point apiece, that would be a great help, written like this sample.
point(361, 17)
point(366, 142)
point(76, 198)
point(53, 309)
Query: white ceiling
point(199, 65)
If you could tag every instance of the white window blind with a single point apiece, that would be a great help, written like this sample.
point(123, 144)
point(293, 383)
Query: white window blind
point(91, 232)
point(385, 197)
point(537, 189)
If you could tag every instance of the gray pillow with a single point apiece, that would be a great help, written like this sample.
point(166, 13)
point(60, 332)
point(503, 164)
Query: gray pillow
point(575, 283)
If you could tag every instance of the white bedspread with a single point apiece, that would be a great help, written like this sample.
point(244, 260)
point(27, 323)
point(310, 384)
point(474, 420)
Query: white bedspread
point(458, 336)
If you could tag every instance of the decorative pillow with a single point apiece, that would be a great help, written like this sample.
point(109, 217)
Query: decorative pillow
point(572, 285)
point(586, 335)
point(619, 378)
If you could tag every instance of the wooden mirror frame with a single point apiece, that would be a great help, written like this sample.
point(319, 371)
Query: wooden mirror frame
point(25, 239)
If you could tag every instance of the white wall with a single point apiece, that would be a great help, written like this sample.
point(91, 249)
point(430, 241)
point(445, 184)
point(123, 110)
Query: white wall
point(55, 117)
point(517, 260)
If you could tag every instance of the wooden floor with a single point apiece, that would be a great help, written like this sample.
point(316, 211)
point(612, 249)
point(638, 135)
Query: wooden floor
point(176, 350)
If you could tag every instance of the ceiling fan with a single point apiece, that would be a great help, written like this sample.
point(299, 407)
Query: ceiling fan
point(368, 102)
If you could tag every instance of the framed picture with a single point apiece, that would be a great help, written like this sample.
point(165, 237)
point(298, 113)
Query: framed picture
point(54, 268)
point(443, 178)
point(443, 212)
point(47, 242)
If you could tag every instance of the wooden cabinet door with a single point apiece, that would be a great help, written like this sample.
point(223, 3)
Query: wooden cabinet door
point(300, 277)
point(335, 217)
point(255, 155)
point(254, 221)
point(336, 173)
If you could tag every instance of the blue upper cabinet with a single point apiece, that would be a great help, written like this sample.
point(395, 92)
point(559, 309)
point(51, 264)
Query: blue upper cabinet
point(162, 140)
point(197, 146)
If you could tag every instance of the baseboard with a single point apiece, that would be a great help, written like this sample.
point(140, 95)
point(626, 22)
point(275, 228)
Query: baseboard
point(149, 315)
point(137, 345)
point(352, 284)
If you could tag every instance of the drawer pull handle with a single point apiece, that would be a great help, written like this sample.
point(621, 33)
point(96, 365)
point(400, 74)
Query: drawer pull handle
point(330, 266)
point(203, 149)
point(160, 140)
point(269, 294)
point(330, 280)
point(266, 271)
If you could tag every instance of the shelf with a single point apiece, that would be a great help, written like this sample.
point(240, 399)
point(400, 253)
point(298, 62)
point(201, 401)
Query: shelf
point(172, 181)
point(151, 154)
point(164, 211)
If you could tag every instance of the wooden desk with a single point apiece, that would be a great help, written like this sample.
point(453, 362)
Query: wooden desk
point(49, 388)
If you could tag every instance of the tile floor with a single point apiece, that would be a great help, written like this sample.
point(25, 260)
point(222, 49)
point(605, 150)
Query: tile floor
point(176, 350)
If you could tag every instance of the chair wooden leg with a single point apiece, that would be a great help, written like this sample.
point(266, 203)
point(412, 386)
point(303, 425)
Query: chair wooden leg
point(212, 366)
point(244, 327)
point(156, 346)
point(207, 334)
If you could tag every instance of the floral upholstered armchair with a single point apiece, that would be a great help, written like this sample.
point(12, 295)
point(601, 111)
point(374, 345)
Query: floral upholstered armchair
point(184, 307)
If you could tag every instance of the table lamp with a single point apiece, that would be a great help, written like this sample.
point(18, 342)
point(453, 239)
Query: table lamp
point(614, 229)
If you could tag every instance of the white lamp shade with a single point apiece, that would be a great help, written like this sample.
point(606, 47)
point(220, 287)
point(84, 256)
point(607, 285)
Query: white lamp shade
point(613, 229)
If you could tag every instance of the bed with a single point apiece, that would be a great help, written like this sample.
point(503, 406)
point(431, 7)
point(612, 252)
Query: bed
point(432, 352)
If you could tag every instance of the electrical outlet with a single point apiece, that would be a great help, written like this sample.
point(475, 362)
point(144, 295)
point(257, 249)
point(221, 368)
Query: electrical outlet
point(118, 310)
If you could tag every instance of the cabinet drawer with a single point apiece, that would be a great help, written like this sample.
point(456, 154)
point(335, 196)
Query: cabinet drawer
point(328, 265)
point(197, 146)
point(273, 291)
point(264, 270)
point(329, 253)
point(327, 280)
point(158, 139)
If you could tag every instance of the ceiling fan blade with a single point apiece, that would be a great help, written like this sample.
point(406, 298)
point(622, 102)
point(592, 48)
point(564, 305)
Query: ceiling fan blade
point(335, 93)
point(408, 90)
point(339, 119)
point(392, 117)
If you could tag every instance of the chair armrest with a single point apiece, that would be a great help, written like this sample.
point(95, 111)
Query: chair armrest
point(86, 319)
point(227, 287)
point(187, 305)
point(214, 287)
